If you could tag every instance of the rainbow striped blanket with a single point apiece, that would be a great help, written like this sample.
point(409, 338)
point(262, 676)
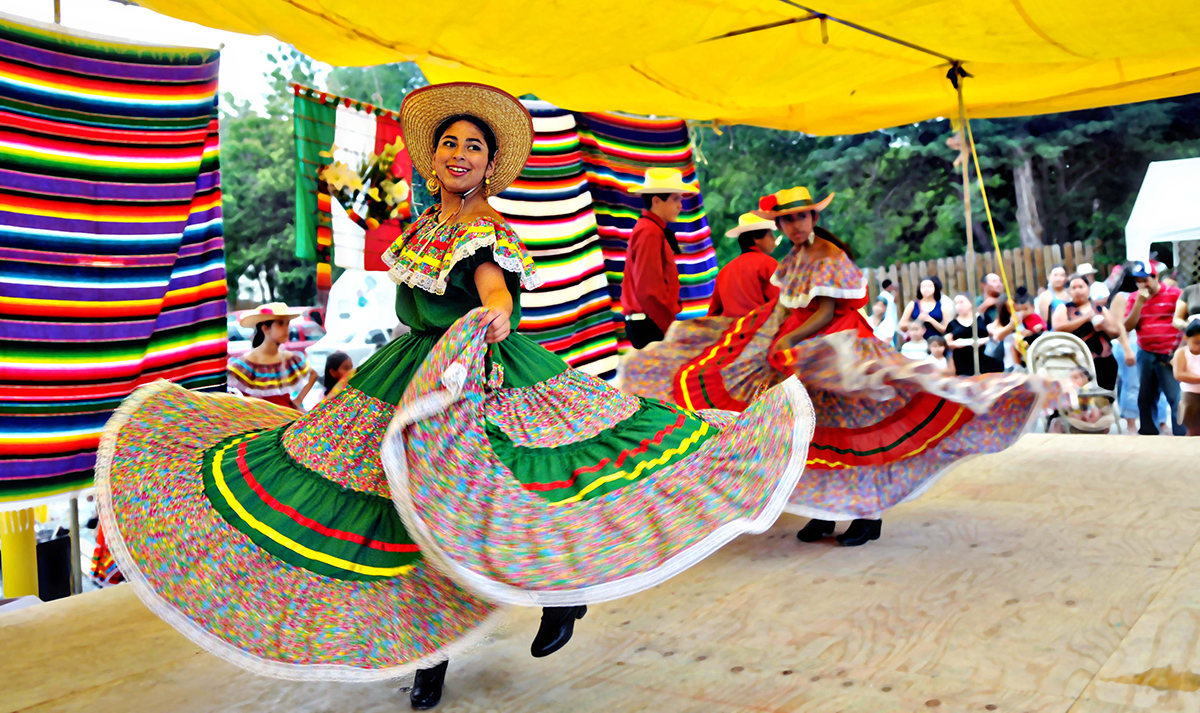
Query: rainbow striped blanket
point(550, 207)
point(617, 150)
point(110, 243)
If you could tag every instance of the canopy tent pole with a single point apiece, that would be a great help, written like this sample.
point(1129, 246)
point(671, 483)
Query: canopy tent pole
point(956, 77)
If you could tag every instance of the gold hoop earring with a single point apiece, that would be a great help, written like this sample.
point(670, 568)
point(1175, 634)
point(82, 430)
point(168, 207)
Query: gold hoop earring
point(433, 185)
point(485, 183)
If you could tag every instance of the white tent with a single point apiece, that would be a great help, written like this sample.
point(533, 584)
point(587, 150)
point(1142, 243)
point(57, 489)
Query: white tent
point(1167, 209)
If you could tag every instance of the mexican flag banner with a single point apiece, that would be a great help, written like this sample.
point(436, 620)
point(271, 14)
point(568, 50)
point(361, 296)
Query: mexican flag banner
point(353, 182)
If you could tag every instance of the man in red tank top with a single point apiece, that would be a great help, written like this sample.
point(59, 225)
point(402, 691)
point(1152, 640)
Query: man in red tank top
point(1151, 313)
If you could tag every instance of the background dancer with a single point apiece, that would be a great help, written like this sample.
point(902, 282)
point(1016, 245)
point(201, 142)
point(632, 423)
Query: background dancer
point(745, 283)
point(887, 426)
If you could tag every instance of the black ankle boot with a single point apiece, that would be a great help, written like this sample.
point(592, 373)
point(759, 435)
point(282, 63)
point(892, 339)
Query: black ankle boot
point(815, 530)
point(860, 532)
point(558, 624)
point(427, 688)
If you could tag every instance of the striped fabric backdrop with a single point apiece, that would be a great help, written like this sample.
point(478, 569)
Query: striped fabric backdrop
point(110, 243)
point(550, 207)
point(617, 150)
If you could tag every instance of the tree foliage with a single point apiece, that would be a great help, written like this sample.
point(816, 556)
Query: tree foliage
point(899, 196)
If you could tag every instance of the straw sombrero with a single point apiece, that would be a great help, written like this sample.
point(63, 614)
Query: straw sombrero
point(789, 200)
point(665, 180)
point(425, 108)
point(748, 222)
point(268, 312)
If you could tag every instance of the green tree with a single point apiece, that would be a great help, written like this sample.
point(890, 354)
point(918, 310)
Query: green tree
point(383, 85)
point(1050, 179)
point(258, 158)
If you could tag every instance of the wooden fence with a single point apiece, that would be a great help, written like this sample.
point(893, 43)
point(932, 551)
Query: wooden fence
point(1025, 267)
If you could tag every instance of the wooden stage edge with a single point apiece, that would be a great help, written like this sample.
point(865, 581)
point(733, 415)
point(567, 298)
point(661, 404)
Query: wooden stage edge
point(1062, 575)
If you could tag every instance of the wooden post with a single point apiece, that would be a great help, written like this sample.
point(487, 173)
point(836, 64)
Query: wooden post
point(972, 280)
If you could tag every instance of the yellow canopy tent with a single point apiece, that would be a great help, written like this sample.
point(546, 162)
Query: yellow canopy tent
point(841, 67)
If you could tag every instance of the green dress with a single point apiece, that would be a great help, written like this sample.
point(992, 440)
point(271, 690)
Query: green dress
point(282, 543)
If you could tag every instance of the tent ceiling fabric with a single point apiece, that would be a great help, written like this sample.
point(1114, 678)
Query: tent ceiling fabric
point(1026, 56)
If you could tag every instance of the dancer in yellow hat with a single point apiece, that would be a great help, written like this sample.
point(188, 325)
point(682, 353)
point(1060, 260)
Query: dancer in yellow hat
point(887, 427)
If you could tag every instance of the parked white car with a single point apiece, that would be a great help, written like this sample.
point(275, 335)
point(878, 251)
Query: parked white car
point(358, 345)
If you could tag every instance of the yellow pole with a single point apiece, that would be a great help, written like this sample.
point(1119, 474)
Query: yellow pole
point(18, 549)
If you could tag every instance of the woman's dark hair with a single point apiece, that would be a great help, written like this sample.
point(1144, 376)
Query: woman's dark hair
point(1004, 310)
point(937, 288)
point(489, 136)
point(332, 364)
point(1076, 276)
point(260, 334)
point(1127, 283)
point(747, 239)
point(1193, 327)
point(826, 235)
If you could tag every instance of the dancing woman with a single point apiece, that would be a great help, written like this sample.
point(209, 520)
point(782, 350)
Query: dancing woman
point(887, 427)
point(462, 466)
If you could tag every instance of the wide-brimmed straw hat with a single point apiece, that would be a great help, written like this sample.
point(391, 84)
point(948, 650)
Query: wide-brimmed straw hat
point(665, 180)
point(426, 108)
point(748, 222)
point(268, 312)
point(789, 200)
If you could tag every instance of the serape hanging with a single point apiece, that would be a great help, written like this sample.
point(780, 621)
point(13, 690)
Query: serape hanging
point(617, 150)
point(110, 243)
point(550, 207)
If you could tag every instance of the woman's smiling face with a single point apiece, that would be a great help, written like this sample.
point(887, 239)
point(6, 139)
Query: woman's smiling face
point(461, 160)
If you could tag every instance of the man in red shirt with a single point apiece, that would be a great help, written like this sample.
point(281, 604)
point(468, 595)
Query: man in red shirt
point(1152, 314)
point(745, 283)
point(650, 287)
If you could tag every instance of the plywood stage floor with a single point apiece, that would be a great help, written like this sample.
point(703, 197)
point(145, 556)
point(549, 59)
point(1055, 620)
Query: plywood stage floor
point(1063, 575)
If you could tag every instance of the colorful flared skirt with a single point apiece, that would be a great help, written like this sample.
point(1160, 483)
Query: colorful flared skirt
point(887, 427)
point(278, 541)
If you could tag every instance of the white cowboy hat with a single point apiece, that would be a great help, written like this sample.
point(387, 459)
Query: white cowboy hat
point(665, 180)
point(268, 312)
point(1085, 268)
point(424, 110)
point(748, 222)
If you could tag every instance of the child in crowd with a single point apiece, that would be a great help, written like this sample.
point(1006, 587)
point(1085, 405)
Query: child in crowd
point(338, 370)
point(916, 347)
point(937, 353)
point(1091, 408)
point(1186, 365)
point(1031, 325)
point(878, 313)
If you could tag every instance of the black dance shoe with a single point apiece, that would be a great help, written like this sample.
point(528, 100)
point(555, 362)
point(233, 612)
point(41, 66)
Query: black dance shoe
point(815, 530)
point(427, 688)
point(860, 532)
point(558, 624)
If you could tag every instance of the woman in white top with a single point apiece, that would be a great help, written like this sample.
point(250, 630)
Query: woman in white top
point(1187, 371)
